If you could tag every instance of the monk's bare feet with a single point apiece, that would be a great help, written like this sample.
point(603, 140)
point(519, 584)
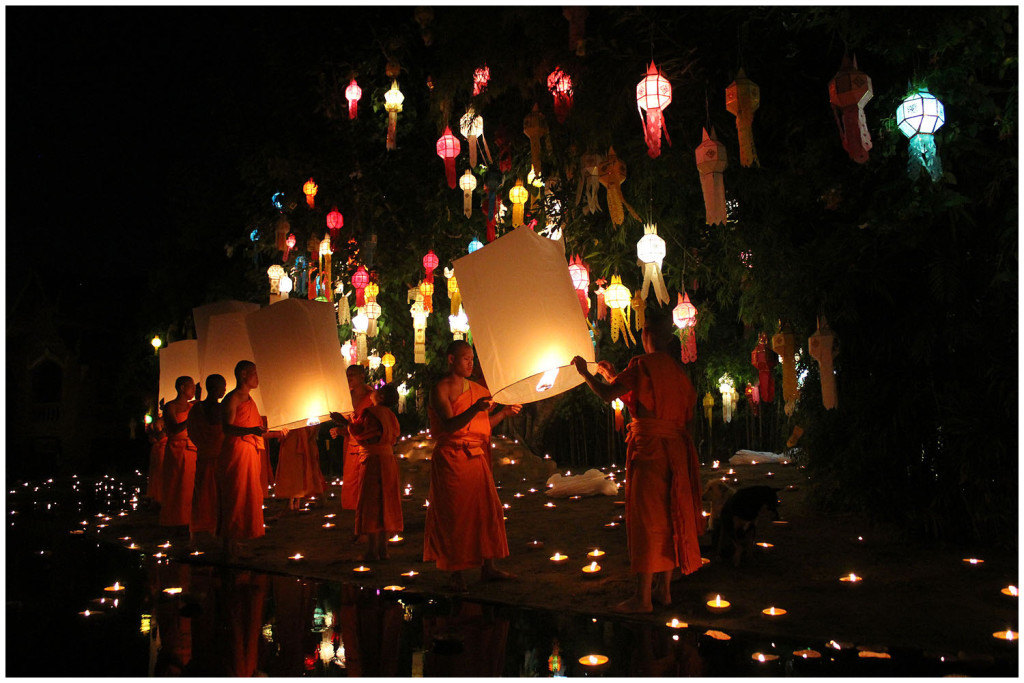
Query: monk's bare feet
point(494, 574)
point(633, 606)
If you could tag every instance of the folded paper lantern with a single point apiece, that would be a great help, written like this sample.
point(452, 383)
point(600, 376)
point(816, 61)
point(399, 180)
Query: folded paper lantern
point(388, 361)
point(709, 404)
point(820, 347)
point(177, 360)
point(223, 341)
point(742, 99)
point(453, 291)
point(518, 195)
point(650, 252)
point(471, 125)
point(849, 90)
point(353, 93)
point(618, 298)
point(448, 148)
point(711, 162)
point(467, 183)
point(728, 391)
point(419, 326)
point(784, 344)
point(612, 173)
point(589, 182)
point(684, 315)
point(525, 316)
point(653, 95)
point(639, 306)
point(579, 273)
point(918, 117)
point(393, 99)
point(299, 362)
point(560, 85)
point(309, 189)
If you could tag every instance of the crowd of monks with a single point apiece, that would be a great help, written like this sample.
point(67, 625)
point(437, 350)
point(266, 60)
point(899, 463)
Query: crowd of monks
point(210, 469)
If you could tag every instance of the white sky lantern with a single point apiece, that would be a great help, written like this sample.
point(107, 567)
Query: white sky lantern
point(360, 325)
point(297, 355)
point(650, 251)
point(223, 339)
point(177, 359)
point(519, 338)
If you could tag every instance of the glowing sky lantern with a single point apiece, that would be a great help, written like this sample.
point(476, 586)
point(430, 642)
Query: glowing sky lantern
point(459, 324)
point(560, 86)
point(448, 148)
point(820, 346)
point(684, 315)
point(177, 359)
point(481, 77)
point(535, 127)
point(309, 189)
point(518, 194)
point(712, 160)
point(579, 273)
point(453, 291)
point(618, 298)
point(353, 93)
point(468, 183)
point(650, 251)
point(653, 95)
point(728, 391)
point(419, 325)
point(764, 360)
point(223, 338)
point(360, 279)
point(918, 117)
point(784, 344)
point(742, 99)
point(471, 126)
point(393, 99)
point(849, 91)
point(612, 173)
point(388, 361)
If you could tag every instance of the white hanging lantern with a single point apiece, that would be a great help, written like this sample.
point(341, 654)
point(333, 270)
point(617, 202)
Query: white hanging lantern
point(650, 251)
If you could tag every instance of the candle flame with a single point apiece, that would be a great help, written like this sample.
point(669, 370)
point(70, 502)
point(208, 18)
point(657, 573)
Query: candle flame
point(760, 657)
point(547, 380)
point(296, 556)
point(1013, 590)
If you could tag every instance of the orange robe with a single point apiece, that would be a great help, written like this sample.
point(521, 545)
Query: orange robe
point(239, 491)
point(379, 507)
point(298, 465)
point(663, 488)
point(156, 465)
point(179, 473)
point(352, 472)
point(464, 523)
point(209, 439)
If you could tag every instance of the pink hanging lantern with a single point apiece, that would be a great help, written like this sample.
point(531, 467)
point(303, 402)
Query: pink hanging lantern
point(360, 279)
point(579, 273)
point(653, 94)
point(684, 315)
point(560, 85)
point(448, 148)
point(481, 77)
point(430, 262)
point(335, 221)
point(353, 93)
point(290, 244)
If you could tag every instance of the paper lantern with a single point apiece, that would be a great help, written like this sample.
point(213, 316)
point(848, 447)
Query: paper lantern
point(453, 291)
point(764, 360)
point(535, 127)
point(784, 344)
point(518, 195)
point(468, 183)
point(459, 324)
point(335, 222)
point(560, 86)
point(474, 244)
point(753, 398)
point(820, 345)
point(393, 99)
point(373, 361)
point(848, 91)
point(709, 404)
point(419, 325)
point(639, 305)
point(274, 273)
point(430, 262)
point(918, 117)
point(525, 346)
point(653, 95)
point(427, 292)
point(360, 326)
point(448, 148)
point(471, 125)
point(579, 273)
point(325, 251)
point(298, 358)
point(178, 359)
point(157, 342)
point(742, 99)
point(481, 77)
point(353, 93)
point(684, 315)
point(612, 173)
point(289, 244)
point(388, 361)
point(373, 312)
point(650, 251)
point(728, 391)
point(360, 279)
point(589, 182)
point(309, 189)
point(277, 199)
point(285, 286)
point(618, 298)
point(224, 340)
point(349, 352)
point(712, 160)
point(617, 406)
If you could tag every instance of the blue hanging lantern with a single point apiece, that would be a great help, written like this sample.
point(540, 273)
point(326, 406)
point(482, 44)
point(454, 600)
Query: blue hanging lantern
point(918, 117)
point(474, 245)
point(277, 200)
point(254, 236)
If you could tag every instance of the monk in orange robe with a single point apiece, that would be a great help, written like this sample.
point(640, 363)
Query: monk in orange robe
point(663, 487)
point(351, 474)
point(158, 444)
point(464, 526)
point(206, 430)
point(179, 467)
point(379, 508)
point(239, 490)
point(298, 467)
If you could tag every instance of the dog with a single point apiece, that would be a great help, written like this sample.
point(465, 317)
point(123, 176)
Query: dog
point(736, 528)
point(716, 493)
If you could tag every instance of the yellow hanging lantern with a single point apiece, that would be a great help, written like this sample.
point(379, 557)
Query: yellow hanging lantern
point(639, 306)
point(784, 344)
point(820, 345)
point(712, 160)
point(617, 298)
point(309, 189)
point(388, 361)
point(709, 404)
point(360, 324)
point(612, 173)
point(518, 195)
point(325, 262)
point(535, 127)
point(427, 293)
point(393, 99)
point(742, 99)
point(453, 291)
point(728, 391)
point(650, 251)
point(459, 324)
point(419, 325)
point(468, 183)
point(372, 308)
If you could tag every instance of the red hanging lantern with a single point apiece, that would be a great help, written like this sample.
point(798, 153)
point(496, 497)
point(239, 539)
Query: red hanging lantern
point(430, 262)
point(360, 279)
point(684, 315)
point(579, 273)
point(849, 90)
point(448, 148)
point(309, 189)
point(290, 244)
point(335, 221)
point(764, 360)
point(481, 77)
point(653, 94)
point(753, 397)
point(560, 85)
point(353, 93)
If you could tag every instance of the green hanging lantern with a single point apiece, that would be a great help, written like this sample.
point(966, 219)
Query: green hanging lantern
point(918, 117)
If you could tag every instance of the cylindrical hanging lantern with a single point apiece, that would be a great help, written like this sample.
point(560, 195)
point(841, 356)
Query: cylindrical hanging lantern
point(849, 91)
point(784, 344)
point(742, 98)
point(309, 189)
point(427, 292)
point(820, 345)
point(709, 405)
point(650, 251)
point(653, 94)
point(712, 160)
point(535, 127)
point(373, 312)
point(684, 315)
point(612, 173)
point(335, 222)
point(448, 148)
point(918, 117)
point(393, 99)
point(525, 347)
point(360, 325)
point(472, 128)
point(518, 195)
point(728, 391)
point(388, 361)
point(419, 326)
point(353, 93)
point(618, 298)
point(560, 86)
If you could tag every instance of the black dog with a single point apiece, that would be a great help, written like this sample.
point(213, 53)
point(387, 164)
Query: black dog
point(734, 533)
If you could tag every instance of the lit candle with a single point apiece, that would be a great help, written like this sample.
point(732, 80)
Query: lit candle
point(132, 546)
point(773, 612)
point(675, 623)
point(549, 505)
point(807, 654)
point(165, 545)
point(327, 525)
point(1010, 590)
point(592, 568)
point(704, 561)
point(196, 553)
point(611, 525)
point(115, 588)
point(394, 588)
point(559, 557)
point(762, 657)
point(518, 495)
point(296, 557)
point(410, 574)
point(718, 604)
point(172, 591)
point(780, 523)
point(396, 540)
point(596, 552)
point(535, 544)
point(973, 560)
point(158, 555)
point(593, 660)
point(1006, 635)
point(361, 569)
point(871, 654)
point(770, 475)
point(851, 578)
point(532, 490)
point(329, 516)
point(426, 503)
point(766, 546)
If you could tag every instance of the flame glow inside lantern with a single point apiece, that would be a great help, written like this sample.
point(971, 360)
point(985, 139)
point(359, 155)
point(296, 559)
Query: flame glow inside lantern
point(518, 195)
point(353, 93)
point(178, 359)
point(653, 95)
point(309, 189)
point(448, 148)
point(468, 183)
point(918, 117)
point(518, 340)
point(560, 86)
point(224, 340)
point(388, 361)
point(393, 99)
point(302, 372)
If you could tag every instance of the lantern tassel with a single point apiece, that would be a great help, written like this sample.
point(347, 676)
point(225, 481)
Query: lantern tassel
point(344, 314)
point(652, 275)
point(388, 374)
point(688, 344)
point(353, 109)
point(472, 152)
point(924, 155)
point(449, 171)
point(653, 127)
point(392, 125)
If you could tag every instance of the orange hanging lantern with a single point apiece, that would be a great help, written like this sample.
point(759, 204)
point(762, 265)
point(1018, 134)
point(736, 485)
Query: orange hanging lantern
point(849, 91)
point(784, 344)
point(764, 360)
point(309, 189)
point(468, 183)
point(560, 85)
point(388, 361)
point(618, 299)
point(393, 99)
point(653, 95)
point(535, 127)
point(712, 160)
point(742, 99)
point(612, 173)
point(820, 345)
point(453, 291)
point(372, 308)
point(684, 315)
point(427, 292)
point(617, 406)
point(359, 281)
point(353, 93)
point(481, 77)
point(448, 148)
point(518, 194)
point(579, 273)
point(709, 405)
